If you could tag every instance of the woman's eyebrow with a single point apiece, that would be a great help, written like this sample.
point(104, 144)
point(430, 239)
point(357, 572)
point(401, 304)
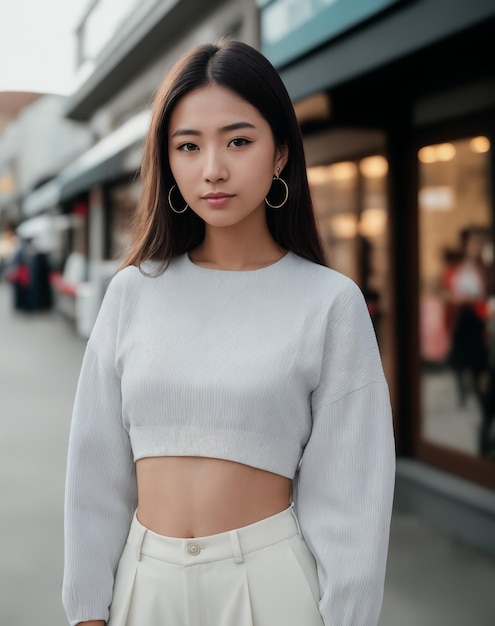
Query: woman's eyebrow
point(224, 129)
point(236, 126)
point(185, 131)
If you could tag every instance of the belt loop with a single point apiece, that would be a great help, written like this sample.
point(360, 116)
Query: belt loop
point(236, 546)
point(296, 520)
point(139, 543)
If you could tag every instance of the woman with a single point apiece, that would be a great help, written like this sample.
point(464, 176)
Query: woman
point(228, 361)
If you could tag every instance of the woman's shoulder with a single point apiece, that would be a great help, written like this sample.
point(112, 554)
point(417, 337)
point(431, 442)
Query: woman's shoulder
point(123, 284)
point(326, 280)
point(134, 275)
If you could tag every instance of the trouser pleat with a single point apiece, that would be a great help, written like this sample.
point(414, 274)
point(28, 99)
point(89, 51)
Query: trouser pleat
point(248, 577)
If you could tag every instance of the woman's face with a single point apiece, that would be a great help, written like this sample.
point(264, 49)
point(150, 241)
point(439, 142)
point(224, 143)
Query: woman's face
point(222, 155)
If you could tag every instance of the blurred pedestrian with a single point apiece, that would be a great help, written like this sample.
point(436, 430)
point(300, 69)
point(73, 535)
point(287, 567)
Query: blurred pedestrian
point(17, 273)
point(40, 291)
point(227, 365)
point(467, 302)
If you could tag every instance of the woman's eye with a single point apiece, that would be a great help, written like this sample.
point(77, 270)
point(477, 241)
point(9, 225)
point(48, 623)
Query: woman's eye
point(239, 142)
point(188, 147)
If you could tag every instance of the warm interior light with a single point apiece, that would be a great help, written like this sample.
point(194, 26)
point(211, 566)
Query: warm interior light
point(439, 152)
point(312, 108)
point(343, 226)
point(318, 175)
point(439, 198)
point(346, 170)
point(374, 167)
point(445, 151)
point(373, 222)
point(480, 144)
point(337, 172)
point(427, 154)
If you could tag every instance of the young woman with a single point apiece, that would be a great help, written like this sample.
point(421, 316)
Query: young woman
point(231, 459)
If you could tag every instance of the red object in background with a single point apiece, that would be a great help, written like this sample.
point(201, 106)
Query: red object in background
point(19, 275)
point(434, 338)
point(80, 208)
point(478, 303)
point(57, 281)
point(23, 276)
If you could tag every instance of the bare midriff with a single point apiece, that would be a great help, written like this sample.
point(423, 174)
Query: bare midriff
point(197, 496)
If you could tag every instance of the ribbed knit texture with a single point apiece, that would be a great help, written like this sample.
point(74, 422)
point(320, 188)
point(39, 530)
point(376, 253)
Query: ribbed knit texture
point(276, 368)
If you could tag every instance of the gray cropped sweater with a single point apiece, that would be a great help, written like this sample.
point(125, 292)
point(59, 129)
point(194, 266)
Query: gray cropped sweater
point(276, 368)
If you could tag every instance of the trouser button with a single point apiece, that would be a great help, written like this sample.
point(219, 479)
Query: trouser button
point(194, 549)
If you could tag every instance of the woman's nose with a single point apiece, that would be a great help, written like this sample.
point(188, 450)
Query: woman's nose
point(214, 167)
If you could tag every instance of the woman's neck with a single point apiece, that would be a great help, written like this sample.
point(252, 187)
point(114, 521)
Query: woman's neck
point(237, 249)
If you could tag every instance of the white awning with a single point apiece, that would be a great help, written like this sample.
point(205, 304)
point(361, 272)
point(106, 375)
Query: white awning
point(42, 224)
point(106, 159)
point(45, 197)
point(43, 230)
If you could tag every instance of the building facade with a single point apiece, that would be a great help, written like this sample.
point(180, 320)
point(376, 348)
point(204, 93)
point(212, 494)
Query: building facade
point(396, 100)
point(34, 146)
point(124, 52)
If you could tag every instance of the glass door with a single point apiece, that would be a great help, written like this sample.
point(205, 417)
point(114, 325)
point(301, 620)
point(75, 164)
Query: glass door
point(457, 297)
point(351, 206)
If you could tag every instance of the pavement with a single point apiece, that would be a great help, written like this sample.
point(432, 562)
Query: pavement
point(431, 580)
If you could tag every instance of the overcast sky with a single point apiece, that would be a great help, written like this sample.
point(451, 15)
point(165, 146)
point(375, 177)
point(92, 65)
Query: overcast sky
point(37, 44)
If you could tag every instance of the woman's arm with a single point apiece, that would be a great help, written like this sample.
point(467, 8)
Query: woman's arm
point(345, 484)
point(101, 491)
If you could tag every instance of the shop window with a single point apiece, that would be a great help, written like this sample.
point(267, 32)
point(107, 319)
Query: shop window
point(123, 201)
point(350, 201)
point(457, 297)
point(79, 230)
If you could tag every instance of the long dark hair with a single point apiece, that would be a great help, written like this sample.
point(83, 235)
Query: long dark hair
point(159, 233)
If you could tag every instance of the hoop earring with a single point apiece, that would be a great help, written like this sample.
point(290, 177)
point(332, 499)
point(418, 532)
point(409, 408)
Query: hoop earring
point(286, 191)
point(170, 202)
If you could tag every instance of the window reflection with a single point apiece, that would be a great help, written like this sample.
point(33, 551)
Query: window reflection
point(351, 206)
point(123, 200)
point(457, 303)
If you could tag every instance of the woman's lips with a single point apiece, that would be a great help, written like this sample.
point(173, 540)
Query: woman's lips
point(217, 200)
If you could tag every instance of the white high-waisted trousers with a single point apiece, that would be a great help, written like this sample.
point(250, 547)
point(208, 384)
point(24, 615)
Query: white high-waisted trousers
point(258, 575)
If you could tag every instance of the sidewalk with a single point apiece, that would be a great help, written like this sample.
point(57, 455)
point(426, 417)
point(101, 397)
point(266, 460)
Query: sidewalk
point(39, 361)
point(435, 581)
point(431, 580)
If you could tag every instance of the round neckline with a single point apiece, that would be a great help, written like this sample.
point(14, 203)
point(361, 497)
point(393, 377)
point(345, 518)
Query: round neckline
point(243, 272)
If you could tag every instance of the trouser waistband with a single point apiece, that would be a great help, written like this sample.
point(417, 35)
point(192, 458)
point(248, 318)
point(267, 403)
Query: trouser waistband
point(231, 544)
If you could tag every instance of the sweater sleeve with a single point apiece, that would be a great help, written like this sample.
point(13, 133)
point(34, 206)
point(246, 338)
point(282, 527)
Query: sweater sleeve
point(344, 488)
point(101, 493)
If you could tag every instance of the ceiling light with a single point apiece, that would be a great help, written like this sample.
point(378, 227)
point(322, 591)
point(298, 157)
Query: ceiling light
point(480, 144)
point(374, 167)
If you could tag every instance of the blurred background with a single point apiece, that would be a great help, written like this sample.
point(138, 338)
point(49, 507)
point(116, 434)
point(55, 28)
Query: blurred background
point(396, 102)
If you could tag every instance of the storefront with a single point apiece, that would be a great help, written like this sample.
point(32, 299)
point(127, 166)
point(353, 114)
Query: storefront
point(123, 53)
point(121, 203)
point(397, 106)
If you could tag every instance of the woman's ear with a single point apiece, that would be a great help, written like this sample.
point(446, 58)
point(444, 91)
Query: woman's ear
point(281, 158)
